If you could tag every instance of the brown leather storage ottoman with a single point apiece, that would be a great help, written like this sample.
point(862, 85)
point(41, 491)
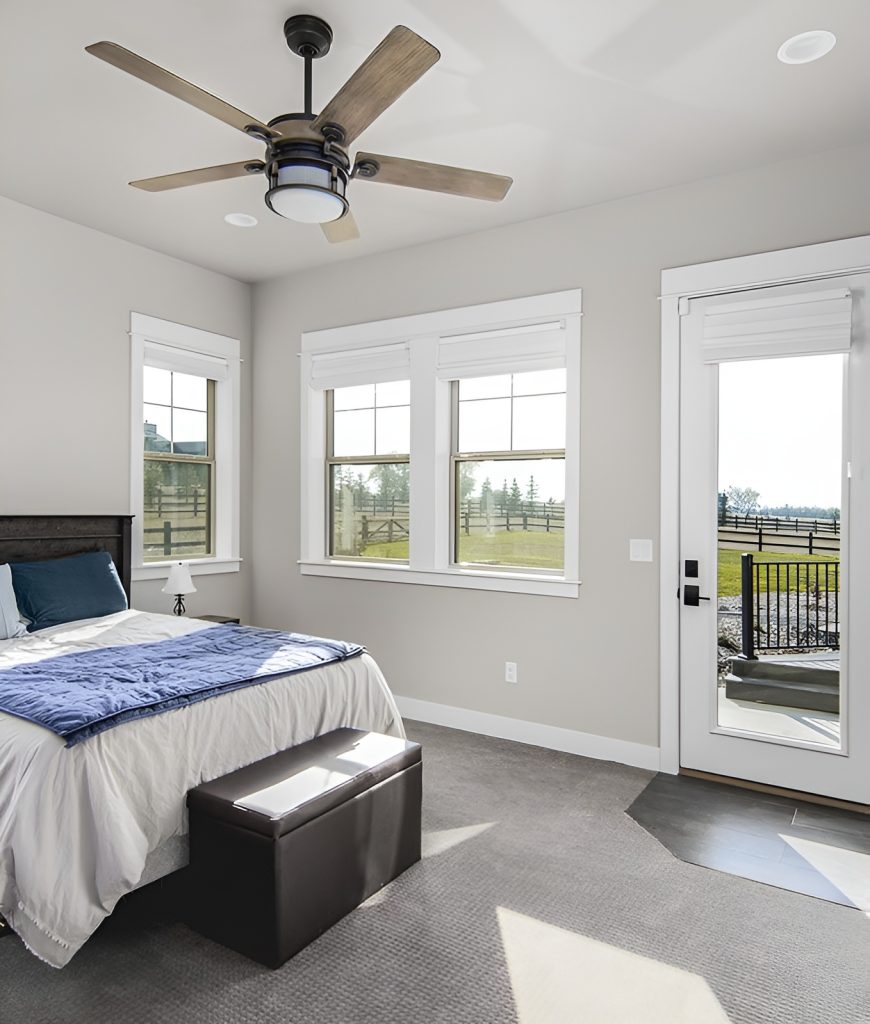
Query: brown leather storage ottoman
point(282, 849)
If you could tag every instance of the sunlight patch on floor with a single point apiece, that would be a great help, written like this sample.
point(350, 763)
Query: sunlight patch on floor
point(559, 977)
point(440, 842)
point(433, 844)
point(847, 870)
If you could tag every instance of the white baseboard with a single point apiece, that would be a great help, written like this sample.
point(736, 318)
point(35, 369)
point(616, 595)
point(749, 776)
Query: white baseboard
point(602, 748)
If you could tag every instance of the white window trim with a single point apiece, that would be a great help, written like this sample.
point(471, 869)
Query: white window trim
point(429, 557)
point(227, 442)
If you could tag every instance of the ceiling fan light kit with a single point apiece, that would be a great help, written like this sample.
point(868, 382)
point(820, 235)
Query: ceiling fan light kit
point(306, 164)
point(305, 183)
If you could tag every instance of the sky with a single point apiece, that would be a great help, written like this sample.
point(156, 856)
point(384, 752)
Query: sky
point(780, 429)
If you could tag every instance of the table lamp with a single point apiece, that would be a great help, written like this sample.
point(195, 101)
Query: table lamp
point(179, 583)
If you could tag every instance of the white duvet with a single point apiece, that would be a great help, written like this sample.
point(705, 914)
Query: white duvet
point(78, 825)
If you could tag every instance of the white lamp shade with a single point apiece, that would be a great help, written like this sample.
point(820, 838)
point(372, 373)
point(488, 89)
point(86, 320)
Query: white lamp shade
point(179, 580)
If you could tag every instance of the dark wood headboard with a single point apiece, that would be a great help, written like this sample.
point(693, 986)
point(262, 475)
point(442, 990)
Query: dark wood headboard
point(34, 538)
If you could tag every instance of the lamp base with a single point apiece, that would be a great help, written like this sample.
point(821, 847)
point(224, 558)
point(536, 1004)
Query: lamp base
point(179, 608)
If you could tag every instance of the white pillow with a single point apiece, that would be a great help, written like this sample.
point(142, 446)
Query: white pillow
point(10, 618)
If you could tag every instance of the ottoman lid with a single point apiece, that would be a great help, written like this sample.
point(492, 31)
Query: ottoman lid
point(290, 788)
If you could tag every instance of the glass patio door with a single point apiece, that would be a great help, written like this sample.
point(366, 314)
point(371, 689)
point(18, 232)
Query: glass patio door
point(775, 487)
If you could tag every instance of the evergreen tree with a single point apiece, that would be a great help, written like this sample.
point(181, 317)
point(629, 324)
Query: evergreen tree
point(403, 482)
point(532, 490)
point(359, 487)
point(515, 496)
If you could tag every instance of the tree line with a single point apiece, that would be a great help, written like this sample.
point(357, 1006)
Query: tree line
point(390, 481)
point(743, 501)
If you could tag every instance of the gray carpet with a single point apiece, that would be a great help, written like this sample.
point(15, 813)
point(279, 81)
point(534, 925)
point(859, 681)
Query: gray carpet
point(562, 910)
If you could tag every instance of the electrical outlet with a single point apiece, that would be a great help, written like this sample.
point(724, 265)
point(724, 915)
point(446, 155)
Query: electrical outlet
point(510, 671)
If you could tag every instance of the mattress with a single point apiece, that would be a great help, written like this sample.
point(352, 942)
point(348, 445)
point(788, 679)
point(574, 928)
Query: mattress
point(82, 826)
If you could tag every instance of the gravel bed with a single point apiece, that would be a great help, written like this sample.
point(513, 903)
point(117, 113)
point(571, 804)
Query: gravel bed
point(797, 628)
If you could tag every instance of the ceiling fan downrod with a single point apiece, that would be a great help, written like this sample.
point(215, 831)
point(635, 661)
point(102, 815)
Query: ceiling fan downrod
point(310, 38)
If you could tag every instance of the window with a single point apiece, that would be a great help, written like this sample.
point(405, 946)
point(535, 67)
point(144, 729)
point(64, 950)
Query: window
point(509, 470)
point(443, 449)
point(178, 507)
point(184, 479)
point(369, 487)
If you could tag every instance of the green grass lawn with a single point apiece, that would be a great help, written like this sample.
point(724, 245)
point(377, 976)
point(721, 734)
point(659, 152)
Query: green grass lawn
point(545, 551)
point(729, 569)
point(518, 547)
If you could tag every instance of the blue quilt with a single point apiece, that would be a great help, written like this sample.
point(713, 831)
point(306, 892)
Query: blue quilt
point(84, 693)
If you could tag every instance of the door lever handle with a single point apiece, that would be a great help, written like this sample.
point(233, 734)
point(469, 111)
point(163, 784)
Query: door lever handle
point(692, 595)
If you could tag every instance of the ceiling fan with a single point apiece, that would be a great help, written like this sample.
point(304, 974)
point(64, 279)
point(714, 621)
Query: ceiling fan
point(306, 164)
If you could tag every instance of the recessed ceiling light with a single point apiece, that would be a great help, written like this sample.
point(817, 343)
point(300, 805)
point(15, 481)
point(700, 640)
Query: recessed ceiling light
point(241, 220)
point(807, 47)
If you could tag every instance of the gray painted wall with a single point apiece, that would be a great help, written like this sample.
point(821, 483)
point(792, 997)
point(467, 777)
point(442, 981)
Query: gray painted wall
point(66, 293)
point(588, 664)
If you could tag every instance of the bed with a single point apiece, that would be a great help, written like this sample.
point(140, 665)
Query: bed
point(81, 826)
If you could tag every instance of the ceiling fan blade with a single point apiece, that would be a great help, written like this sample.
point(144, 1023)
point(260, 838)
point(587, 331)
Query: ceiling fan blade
point(202, 174)
point(391, 68)
point(456, 181)
point(154, 75)
point(342, 230)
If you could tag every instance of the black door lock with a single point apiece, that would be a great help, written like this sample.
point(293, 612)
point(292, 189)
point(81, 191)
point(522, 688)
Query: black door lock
point(692, 595)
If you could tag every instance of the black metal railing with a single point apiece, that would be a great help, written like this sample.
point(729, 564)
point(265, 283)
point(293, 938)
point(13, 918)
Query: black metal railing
point(789, 606)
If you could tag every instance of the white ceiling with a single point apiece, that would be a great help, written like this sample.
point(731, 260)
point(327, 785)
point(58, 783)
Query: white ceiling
point(578, 100)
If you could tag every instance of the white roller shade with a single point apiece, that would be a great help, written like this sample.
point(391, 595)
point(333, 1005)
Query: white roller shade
point(508, 350)
point(359, 366)
point(201, 364)
point(767, 325)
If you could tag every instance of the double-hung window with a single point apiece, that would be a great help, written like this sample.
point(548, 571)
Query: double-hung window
point(509, 471)
point(178, 510)
point(184, 461)
point(369, 446)
point(444, 448)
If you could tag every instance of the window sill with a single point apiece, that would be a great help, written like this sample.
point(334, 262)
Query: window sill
point(467, 579)
point(198, 567)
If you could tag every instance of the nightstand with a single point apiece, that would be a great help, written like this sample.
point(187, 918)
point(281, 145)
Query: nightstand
point(217, 618)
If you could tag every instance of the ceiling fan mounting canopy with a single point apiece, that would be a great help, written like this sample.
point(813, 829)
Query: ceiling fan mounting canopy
point(308, 36)
point(306, 161)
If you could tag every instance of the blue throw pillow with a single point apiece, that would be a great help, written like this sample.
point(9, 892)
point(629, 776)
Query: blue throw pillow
point(66, 589)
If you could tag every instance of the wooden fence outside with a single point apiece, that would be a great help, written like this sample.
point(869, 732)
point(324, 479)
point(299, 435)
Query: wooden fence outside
point(374, 520)
point(779, 541)
point(176, 522)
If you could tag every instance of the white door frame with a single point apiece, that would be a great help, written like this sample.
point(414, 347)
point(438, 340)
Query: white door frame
point(808, 262)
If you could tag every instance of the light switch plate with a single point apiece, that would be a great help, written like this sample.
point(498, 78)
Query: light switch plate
point(640, 550)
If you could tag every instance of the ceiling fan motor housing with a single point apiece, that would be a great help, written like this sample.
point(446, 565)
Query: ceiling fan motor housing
point(307, 180)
